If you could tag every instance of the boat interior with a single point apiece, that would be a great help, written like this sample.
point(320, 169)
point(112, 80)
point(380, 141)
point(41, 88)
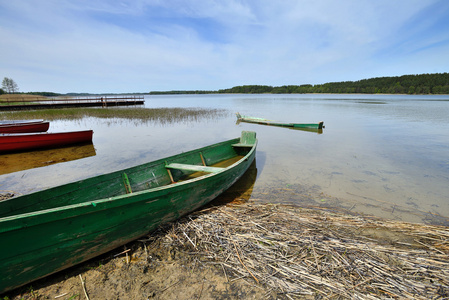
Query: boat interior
point(150, 176)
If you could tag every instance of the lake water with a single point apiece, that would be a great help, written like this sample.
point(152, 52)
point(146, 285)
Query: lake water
point(382, 155)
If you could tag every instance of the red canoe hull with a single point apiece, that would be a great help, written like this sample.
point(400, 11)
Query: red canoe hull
point(24, 127)
point(24, 142)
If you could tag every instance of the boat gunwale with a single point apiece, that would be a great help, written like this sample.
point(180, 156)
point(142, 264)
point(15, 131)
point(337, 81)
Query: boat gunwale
point(21, 122)
point(51, 134)
point(19, 128)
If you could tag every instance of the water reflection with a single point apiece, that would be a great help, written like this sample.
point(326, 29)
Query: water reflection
point(241, 191)
point(315, 130)
point(14, 162)
point(371, 102)
point(388, 160)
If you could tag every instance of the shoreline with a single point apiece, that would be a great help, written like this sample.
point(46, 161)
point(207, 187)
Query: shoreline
point(271, 251)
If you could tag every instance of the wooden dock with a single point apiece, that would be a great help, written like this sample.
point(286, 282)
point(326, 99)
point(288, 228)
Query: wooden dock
point(67, 102)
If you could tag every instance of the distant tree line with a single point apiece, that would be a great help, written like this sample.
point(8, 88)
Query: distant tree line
point(102, 94)
point(181, 92)
point(45, 94)
point(248, 89)
point(437, 83)
point(408, 84)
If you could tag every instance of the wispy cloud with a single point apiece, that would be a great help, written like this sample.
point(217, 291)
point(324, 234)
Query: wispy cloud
point(138, 46)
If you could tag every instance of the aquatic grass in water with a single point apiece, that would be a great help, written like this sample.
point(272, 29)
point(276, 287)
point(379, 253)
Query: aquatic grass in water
point(157, 115)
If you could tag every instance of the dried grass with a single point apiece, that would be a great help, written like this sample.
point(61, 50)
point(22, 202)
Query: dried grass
point(142, 115)
point(298, 252)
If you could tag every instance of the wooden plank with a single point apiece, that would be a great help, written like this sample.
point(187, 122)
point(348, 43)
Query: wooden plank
point(126, 183)
point(195, 168)
point(202, 159)
point(242, 145)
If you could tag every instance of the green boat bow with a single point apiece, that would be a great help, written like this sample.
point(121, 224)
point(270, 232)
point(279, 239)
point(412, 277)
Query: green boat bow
point(50, 230)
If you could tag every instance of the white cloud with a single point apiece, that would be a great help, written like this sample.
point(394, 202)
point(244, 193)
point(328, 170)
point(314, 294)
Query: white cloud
point(137, 46)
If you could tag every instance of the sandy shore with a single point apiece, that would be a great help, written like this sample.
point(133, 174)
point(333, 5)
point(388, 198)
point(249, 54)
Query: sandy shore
point(264, 251)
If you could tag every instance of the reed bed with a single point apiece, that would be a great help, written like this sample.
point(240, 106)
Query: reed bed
point(305, 253)
point(156, 115)
point(20, 98)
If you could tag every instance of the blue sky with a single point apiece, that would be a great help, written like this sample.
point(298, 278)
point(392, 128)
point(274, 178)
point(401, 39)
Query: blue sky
point(100, 46)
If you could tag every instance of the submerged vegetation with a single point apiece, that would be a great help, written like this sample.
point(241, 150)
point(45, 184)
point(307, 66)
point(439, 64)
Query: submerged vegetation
point(158, 115)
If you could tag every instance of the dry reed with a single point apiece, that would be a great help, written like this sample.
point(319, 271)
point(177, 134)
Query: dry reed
point(299, 253)
point(156, 115)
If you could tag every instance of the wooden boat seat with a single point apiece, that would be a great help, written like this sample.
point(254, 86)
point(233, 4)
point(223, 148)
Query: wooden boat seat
point(242, 145)
point(195, 168)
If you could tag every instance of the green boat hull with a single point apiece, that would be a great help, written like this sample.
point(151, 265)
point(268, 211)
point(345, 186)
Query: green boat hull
point(51, 230)
point(319, 125)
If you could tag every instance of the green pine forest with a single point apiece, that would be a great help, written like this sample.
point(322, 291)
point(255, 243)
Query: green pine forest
point(422, 84)
point(407, 84)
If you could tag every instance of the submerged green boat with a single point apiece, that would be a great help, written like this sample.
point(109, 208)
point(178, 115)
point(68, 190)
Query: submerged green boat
point(50, 230)
point(319, 125)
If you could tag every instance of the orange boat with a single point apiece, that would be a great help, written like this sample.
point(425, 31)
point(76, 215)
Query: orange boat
point(23, 126)
point(32, 141)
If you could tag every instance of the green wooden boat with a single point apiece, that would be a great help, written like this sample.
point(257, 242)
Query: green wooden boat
point(50, 230)
point(319, 125)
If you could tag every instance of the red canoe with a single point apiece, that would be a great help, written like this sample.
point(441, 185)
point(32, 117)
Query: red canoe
point(23, 126)
point(24, 142)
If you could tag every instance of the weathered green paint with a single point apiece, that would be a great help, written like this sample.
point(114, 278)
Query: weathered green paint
point(319, 125)
point(50, 230)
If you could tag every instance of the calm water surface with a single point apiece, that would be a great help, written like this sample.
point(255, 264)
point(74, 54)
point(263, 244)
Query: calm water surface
point(378, 154)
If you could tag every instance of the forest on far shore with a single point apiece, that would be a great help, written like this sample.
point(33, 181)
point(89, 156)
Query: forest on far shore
point(437, 83)
point(423, 84)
